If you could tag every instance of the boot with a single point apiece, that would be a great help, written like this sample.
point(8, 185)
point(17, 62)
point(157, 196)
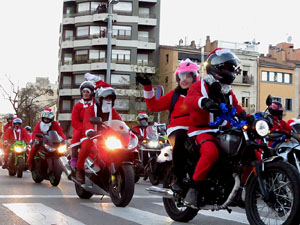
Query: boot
point(177, 186)
point(5, 165)
point(80, 176)
point(191, 198)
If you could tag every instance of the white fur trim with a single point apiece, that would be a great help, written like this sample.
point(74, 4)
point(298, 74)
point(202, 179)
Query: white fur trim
point(194, 133)
point(75, 144)
point(82, 139)
point(200, 101)
point(230, 99)
point(171, 129)
point(149, 94)
point(203, 89)
point(88, 131)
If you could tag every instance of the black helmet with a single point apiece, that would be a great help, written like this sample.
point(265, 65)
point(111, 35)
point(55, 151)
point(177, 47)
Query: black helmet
point(276, 109)
point(87, 85)
point(223, 65)
point(102, 93)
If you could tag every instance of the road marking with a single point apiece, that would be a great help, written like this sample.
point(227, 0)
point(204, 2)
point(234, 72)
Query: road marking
point(67, 196)
point(39, 214)
point(132, 214)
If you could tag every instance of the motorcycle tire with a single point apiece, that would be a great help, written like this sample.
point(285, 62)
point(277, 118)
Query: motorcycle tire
point(12, 172)
point(183, 214)
point(122, 193)
point(55, 176)
point(82, 193)
point(136, 178)
point(282, 182)
point(20, 167)
point(36, 177)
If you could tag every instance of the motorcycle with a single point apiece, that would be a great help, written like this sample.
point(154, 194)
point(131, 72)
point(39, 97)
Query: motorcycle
point(17, 158)
point(271, 185)
point(149, 149)
point(109, 166)
point(46, 165)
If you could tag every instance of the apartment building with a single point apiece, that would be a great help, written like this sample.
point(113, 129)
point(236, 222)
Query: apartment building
point(83, 48)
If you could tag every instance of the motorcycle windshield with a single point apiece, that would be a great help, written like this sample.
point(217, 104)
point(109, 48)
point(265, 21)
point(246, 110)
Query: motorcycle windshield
point(53, 138)
point(151, 133)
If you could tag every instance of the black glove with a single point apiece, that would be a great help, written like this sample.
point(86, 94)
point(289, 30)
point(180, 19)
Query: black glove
point(91, 133)
point(210, 106)
point(143, 80)
point(35, 142)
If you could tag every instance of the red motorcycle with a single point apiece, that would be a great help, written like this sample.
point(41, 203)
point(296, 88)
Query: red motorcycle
point(109, 166)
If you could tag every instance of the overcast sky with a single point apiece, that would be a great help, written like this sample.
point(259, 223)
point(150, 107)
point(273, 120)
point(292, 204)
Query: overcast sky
point(29, 40)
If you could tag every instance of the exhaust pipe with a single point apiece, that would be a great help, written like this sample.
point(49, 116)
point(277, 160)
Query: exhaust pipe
point(163, 192)
point(65, 166)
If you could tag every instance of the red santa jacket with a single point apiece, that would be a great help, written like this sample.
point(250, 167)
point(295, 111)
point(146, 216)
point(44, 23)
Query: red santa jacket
point(11, 135)
point(77, 120)
point(199, 117)
point(281, 125)
point(8, 125)
point(92, 112)
point(55, 126)
point(140, 131)
point(180, 115)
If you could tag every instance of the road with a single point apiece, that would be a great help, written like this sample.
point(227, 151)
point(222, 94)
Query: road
point(24, 202)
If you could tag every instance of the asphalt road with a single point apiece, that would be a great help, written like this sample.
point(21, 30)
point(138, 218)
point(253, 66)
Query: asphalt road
point(24, 202)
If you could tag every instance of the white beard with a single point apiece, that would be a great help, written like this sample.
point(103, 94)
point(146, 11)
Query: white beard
point(45, 127)
point(225, 88)
point(106, 106)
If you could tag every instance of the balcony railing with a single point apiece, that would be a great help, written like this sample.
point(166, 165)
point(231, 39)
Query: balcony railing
point(121, 61)
point(146, 39)
point(146, 15)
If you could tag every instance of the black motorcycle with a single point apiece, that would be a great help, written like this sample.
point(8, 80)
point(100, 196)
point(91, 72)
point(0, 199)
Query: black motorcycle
point(46, 165)
point(271, 185)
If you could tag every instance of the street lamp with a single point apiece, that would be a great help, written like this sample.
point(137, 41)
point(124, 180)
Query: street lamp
point(109, 36)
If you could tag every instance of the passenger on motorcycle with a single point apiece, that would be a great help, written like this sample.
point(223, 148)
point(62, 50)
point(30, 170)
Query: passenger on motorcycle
point(9, 120)
point(185, 74)
point(28, 129)
point(87, 89)
point(46, 124)
point(203, 100)
point(105, 97)
point(140, 129)
point(276, 110)
point(16, 133)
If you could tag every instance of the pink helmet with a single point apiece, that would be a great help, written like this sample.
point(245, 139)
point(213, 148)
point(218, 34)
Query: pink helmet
point(186, 66)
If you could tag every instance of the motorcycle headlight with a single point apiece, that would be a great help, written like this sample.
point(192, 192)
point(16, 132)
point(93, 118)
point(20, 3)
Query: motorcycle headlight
point(62, 149)
point(113, 143)
point(19, 149)
point(1, 151)
point(153, 144)
point(262, 128)
point(49, 148)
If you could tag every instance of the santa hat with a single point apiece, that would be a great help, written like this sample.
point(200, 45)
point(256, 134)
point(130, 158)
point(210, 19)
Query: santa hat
point(102, 84)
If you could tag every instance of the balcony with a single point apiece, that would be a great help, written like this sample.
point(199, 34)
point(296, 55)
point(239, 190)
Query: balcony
point(87, 42)
point(151, 1)
point(244, 80)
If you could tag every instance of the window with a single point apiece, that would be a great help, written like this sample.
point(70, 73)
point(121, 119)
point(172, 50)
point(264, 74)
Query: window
point(287, 78)
point(122, 104)
point(79, 79)
point(94, 31)
point(68, 35)
point(142, 59)
point(245, 102)
point(278, 99)
point(122, 32)
point(94, 6)
point(67, 58)
point(67, 81)
point(144, 12)
point(245, 77)
point(264, 76)
point(83, 7)
point(121, 56)
point(143, 35)
point(167, 58)
point(82, 32)
point(140, 106)
point(94, 55)
point(81, 56)
point(271, 76)
point(118, 79)
point(123, 7)
point(289, 104)
point(66, 105)
point(278, 77)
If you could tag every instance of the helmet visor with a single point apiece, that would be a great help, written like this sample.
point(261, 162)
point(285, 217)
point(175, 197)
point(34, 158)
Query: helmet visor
point(230, 67)
point(186, 75)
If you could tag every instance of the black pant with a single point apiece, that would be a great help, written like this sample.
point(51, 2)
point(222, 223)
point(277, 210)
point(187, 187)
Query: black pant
point(177, 139)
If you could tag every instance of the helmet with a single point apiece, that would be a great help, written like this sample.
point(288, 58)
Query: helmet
point(17, 120)
point(142, 116)
point(186, 66)
point(28, 128)
point(223, 65)
point(103, 93)
point(10, 116)
point(276, 109)
point(47, 113)
point(87, 85)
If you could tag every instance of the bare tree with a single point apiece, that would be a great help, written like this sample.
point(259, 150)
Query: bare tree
point(25, 101)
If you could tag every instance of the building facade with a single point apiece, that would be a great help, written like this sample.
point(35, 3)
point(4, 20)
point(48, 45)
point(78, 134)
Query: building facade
point(83, 48)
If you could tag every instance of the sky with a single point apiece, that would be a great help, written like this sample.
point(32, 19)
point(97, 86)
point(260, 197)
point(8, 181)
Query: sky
point(29, 41)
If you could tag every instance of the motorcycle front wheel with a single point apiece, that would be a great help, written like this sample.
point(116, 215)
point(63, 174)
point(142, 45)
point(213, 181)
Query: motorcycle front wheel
point(20, 167)
point(55, 175)
point(180, 214)
point(282, 183)
point(121, 191)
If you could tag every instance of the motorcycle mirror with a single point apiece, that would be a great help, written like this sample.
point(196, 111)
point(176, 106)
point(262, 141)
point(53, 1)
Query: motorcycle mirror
point(269, 100)
point(39, 135)
point(96, 120)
